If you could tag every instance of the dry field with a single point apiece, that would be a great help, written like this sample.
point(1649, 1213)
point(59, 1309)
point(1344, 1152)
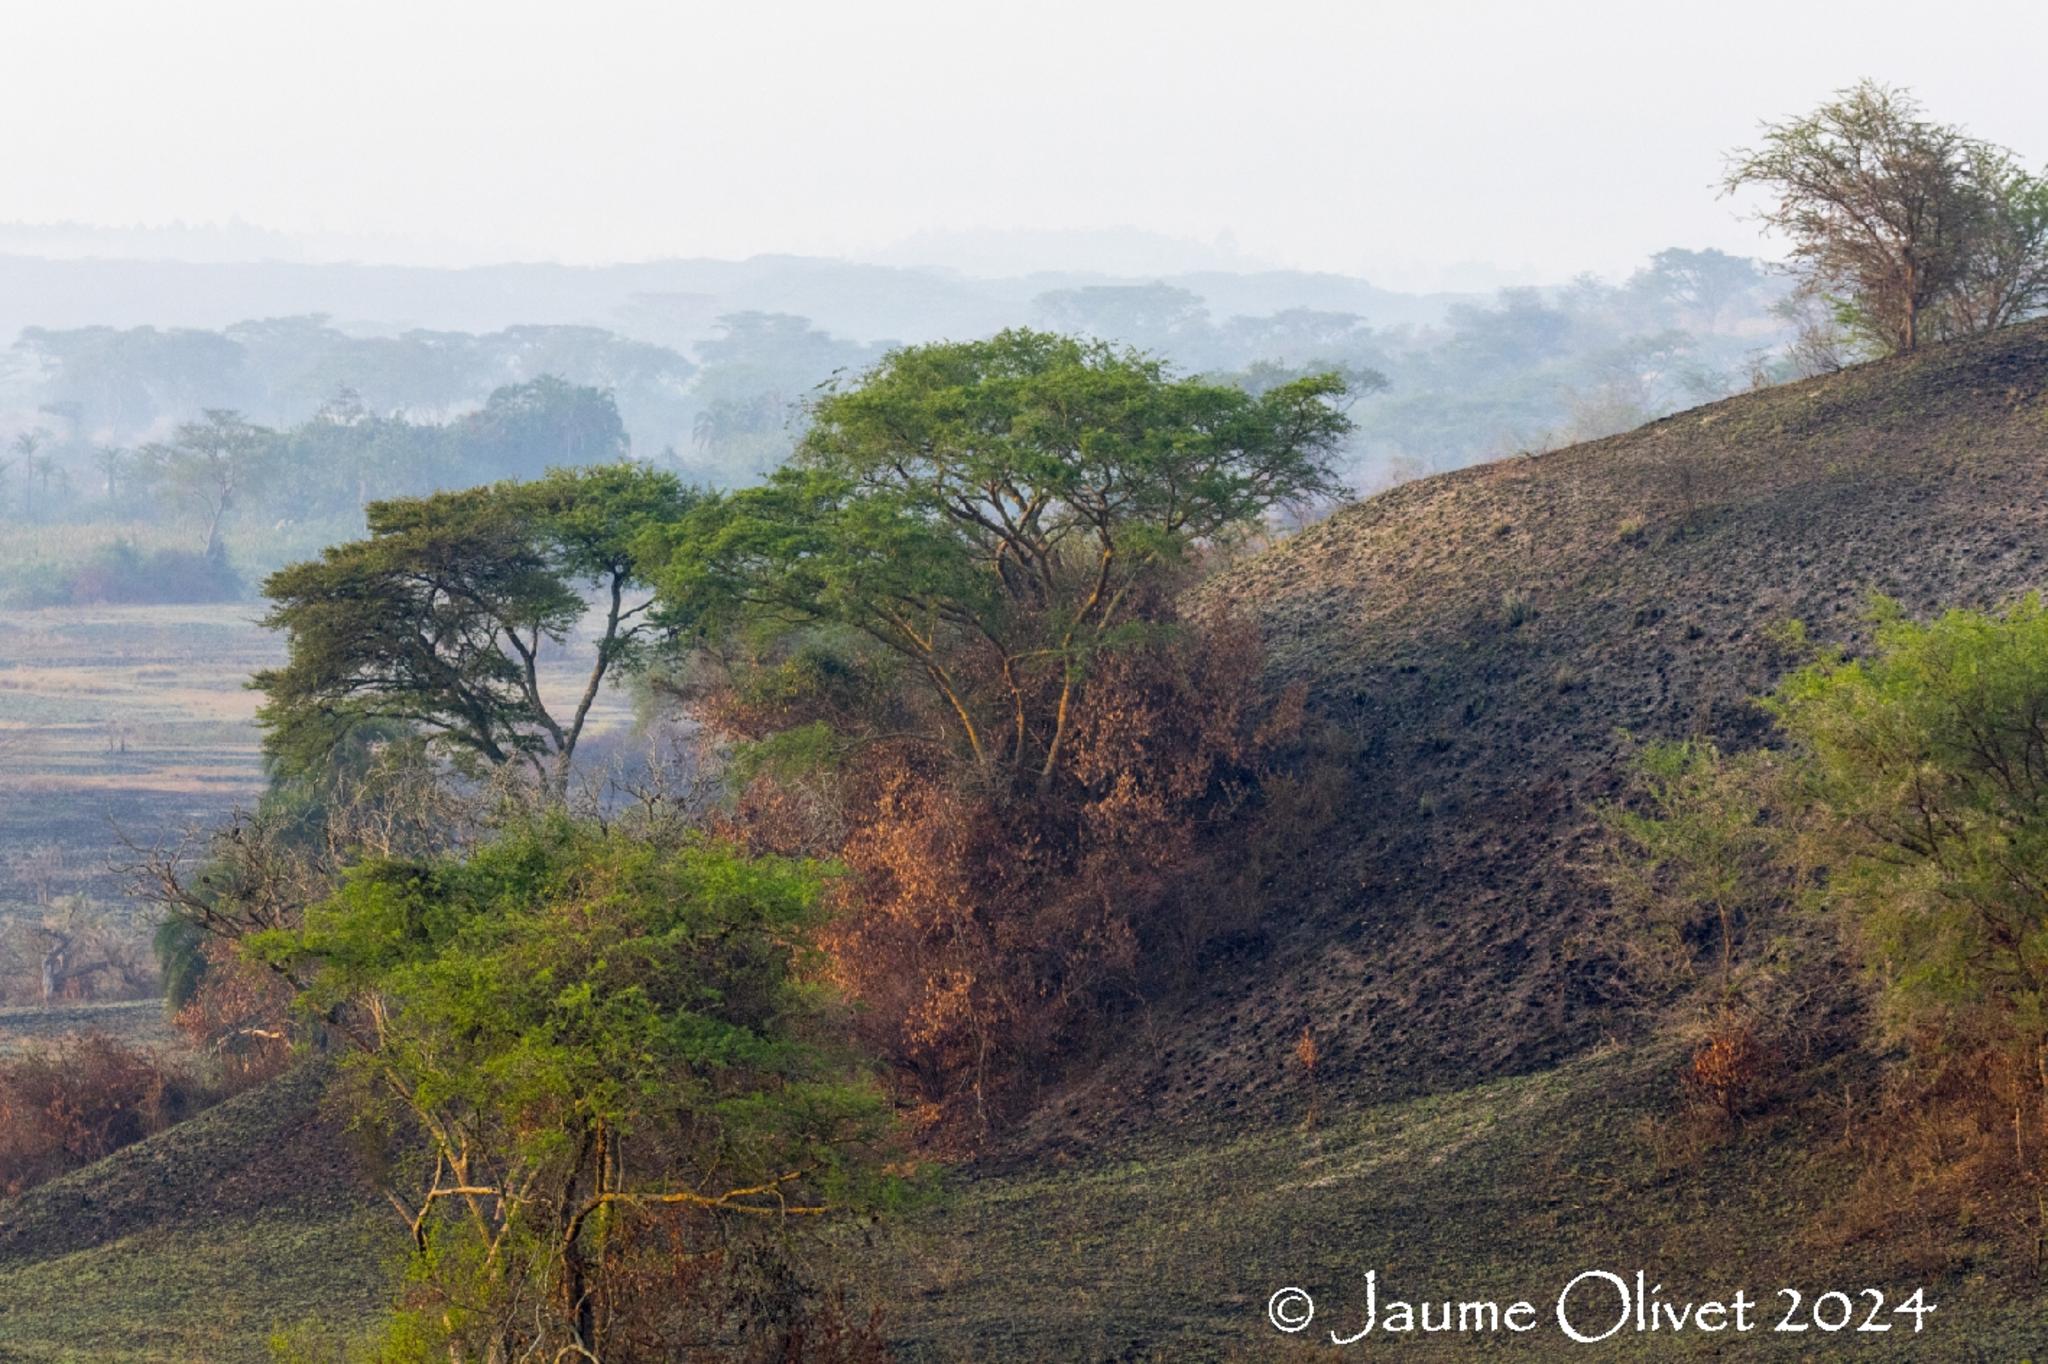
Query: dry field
point(132, 725)
point(119, 724)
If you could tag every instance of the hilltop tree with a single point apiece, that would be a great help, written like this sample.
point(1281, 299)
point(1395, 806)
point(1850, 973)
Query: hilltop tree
point(2005, 276)
point(1899, 220)
point(439, 619)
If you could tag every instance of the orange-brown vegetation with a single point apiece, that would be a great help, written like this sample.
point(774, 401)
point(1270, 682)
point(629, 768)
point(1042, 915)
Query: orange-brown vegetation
point(990, 925)
point(1728, 1070)
point(66, 1104)
point(1953, 1141)
point(238, 1015)
point(1310, 1055)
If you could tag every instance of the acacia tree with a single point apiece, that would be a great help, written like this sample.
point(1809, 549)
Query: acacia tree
point(950, 635)
point(1697, 858)
point(1909, 799)
point(1894, 218)
point(1926, 767)
point(992, 514)
point(441, 618)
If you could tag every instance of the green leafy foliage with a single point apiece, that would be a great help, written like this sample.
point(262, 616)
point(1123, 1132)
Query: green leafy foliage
point(990, 516)
point(438, 619)
point(1909, 801)
point(1927, 767)
point(592, 1031)
point(1700, 859)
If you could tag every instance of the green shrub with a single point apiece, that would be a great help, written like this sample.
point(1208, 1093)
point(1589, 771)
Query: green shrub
point(119, 573)
point(1926, 765)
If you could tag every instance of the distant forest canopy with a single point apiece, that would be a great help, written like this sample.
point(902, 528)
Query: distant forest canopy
point(258, 442)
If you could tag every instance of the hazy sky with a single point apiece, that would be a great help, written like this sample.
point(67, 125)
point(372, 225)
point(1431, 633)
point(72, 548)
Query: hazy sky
point(1389, 140)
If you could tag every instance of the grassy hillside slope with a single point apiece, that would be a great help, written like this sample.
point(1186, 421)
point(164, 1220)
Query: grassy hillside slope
point(1485, 637)
point(196, 1244)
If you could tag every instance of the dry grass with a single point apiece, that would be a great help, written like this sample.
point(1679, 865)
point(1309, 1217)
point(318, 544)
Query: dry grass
point(196, 1244)
point(138, 1022)
point(121, 722)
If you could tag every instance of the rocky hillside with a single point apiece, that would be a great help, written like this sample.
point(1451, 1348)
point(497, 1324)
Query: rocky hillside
point(1497, 641)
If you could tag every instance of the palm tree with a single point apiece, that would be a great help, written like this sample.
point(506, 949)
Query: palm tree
point(110, 458)
point(40, 469)
point(25, 445)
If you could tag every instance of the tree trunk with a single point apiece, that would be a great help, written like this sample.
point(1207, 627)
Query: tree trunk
point(1910, 335)
point(216, 553)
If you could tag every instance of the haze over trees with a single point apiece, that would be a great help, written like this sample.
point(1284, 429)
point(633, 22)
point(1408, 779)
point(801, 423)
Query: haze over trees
point(191, 515)
point(207, 465)
point(720, 397)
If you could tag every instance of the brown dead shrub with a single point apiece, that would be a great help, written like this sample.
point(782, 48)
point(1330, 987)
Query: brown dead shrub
point(66, 1104)
point(987, 925)
point(238, 1016)
point(1729, 1070)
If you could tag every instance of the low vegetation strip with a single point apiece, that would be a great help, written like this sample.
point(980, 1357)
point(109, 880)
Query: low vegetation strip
point(138, 1022)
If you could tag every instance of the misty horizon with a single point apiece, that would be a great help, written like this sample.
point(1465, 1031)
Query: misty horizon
point(1111, 252)
point(1368, 141)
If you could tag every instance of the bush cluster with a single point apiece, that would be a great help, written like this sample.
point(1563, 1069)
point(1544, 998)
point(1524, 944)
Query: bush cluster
point(122, 574)
point(68, 1103)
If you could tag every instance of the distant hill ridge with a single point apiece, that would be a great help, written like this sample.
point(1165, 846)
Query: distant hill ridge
point(863, 300)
